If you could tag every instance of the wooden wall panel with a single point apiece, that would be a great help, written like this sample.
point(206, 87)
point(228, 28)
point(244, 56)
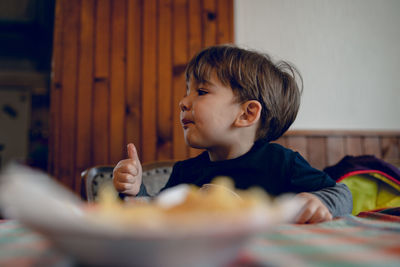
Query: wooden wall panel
point(336, 147)
point(180, 58)
point(164, 93)
point(149, 81)
point(117, 83)
point(101, 82)
point(327, 147)
point(390, 148)
point(85, 89)
point(118, 76)
point(353, 146)
point(195, 27)
point(68, 94)
point(133, 97)
point(316, 148)
point(224, 20)
point(195, 40)
point(210, 22)
point(372, 146)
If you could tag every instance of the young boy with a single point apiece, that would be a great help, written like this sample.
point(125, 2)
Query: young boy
point(237, 101)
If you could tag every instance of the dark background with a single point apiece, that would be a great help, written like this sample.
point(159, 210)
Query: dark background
point(26, 33)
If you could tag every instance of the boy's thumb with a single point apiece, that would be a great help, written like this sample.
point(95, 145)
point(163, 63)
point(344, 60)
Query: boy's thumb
point(132, 152)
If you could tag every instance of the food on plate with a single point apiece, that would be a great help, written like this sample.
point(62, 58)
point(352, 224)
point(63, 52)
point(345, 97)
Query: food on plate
point(184, 205)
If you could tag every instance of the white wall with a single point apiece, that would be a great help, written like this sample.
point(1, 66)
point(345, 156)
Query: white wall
point(348, 52)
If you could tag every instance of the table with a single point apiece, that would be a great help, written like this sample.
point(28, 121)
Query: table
point(370, 239)
point(20, 246)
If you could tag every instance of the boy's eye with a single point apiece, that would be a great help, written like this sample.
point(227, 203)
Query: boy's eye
point(201, 91)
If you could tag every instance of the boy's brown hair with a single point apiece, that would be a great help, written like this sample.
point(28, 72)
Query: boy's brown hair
point(253, 76)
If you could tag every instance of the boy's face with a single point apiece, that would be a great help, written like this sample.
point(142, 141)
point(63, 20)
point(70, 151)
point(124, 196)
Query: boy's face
point(208, 112)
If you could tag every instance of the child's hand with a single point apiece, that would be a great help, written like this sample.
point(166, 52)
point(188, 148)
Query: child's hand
point(314, 211)
point(127, 175)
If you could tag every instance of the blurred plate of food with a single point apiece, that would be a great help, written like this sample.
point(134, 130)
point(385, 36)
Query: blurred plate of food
point(182, 226)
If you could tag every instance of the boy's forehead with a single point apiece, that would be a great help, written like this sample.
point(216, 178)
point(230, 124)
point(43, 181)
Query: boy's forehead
point(209, 79)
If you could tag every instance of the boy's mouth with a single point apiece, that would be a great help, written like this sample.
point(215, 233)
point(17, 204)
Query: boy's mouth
point(186, 123)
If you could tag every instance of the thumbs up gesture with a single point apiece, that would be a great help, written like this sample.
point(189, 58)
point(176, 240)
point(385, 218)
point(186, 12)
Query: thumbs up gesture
point(127, 175)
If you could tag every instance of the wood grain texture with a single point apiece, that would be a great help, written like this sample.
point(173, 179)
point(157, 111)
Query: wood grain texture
point(195, 41)
point(334, 132)
point(195, 27)
point(149, 80)
point(372, 146)
point(68, 94)
point(353, 145)
point(117, 80)
point(390, 148)
point(180, 58)
point(336, 147)
point(210, 22)
point(101, 92)
point(85, 90)
point(316, 148)
point(164, 92)
point(133, 95)
point(339, 143)
point(224, 20)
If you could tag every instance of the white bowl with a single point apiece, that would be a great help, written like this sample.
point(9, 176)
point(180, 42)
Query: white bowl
point(109, 250)
point(42, 204)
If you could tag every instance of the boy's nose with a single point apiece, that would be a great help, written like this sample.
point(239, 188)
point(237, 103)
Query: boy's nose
point(184, 104)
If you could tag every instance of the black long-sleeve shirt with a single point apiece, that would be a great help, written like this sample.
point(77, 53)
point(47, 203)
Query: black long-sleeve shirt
point(270, 166)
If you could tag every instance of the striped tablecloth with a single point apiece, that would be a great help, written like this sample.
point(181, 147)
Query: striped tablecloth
point(20, 246)
point(371, 239)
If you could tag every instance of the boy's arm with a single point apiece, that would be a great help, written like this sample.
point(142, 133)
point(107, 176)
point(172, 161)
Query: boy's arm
point(337, 199)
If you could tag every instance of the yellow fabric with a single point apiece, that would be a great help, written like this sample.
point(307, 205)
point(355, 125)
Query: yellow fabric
point(372, 191)
point(386, 180)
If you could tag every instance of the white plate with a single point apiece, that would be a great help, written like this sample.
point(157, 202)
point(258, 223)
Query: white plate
point(42, 204)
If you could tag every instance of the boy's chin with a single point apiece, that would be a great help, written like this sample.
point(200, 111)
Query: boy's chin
point(193, 144)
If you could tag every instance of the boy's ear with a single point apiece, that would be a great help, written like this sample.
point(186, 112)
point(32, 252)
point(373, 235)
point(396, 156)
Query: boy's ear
point(250, 114)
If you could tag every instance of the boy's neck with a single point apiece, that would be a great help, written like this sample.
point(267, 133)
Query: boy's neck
point(230, 152)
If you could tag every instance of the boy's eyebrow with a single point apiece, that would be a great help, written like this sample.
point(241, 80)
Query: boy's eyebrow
point(199, 84)
point(205, 83)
